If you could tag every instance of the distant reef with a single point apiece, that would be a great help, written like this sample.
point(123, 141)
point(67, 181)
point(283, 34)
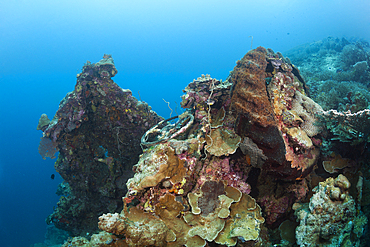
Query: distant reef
point(337, 72)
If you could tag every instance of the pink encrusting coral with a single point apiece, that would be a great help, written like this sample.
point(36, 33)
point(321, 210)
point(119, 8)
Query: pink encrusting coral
point(232, 174)
point(274, 208)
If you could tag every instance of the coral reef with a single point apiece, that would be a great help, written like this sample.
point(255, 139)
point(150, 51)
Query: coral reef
point(221, 214)
point(191, 179)
point(353, 54)
point(338, 75)
point(343, 96)
point(97, 131)
point(236, 168)
point(336, 71)
point(332, 59)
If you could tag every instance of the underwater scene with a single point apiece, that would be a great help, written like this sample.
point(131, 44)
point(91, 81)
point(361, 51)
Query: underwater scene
point(185, 123)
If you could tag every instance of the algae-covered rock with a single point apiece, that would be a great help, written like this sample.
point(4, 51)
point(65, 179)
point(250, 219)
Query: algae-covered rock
point(331, 217)
point(43, 122)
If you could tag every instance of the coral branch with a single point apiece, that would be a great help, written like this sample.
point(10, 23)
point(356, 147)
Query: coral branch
point(347, 126)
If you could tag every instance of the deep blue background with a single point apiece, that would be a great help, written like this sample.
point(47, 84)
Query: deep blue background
point(158, 48)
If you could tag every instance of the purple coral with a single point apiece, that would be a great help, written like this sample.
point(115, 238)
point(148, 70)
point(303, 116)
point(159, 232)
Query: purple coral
point(211, 190)
point(274, 208)
point(276, 63)
point(47, 148)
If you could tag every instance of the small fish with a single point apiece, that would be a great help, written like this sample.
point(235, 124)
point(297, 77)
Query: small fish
point(210, 101)
point(52, 176)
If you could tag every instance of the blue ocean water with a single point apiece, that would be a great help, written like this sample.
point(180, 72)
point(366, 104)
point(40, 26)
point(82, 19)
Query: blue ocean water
point(158, 48)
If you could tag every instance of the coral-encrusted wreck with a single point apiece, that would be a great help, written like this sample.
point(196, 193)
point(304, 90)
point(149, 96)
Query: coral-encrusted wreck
point(227, 171)
point(202, 170)
point(97, 131)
